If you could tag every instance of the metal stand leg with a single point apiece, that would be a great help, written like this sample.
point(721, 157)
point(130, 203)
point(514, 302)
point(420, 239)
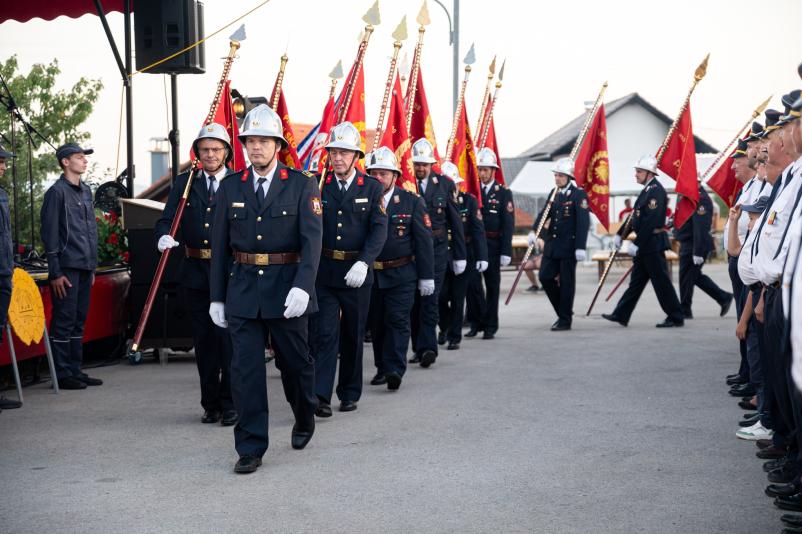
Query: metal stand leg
point(50, 361)
point(13, 354)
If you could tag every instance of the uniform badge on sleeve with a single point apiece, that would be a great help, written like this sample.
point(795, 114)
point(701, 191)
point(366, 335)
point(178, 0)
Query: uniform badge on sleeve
point(317, 207)
point(772, 217)
point(653, 204)
point(700, 210)
point(427, 222)
point(584, 204)
point(510, 207)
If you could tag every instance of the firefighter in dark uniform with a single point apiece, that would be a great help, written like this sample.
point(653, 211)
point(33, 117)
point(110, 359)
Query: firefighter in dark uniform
point(354, 231)
point(695, 245)
point(648, 221)
point(69, 234)
point(6, 264)
point(265, 254)
point(498, 214)
point(452, 296)
point(212, 343)
point(439, 194)
point(564, 243)
point(407, 258)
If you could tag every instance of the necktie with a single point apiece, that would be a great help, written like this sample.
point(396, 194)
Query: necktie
point(420, 187)
point(260, 191)
point(343, 185)
point(212, 187)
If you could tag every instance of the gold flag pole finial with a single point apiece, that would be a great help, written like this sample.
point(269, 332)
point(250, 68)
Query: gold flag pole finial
point(583, 132)
point(482, 134)
point(400, 34)
point(279, 82)
point(698, 74)
point(409, 99)
point(483, 106)
point(470, 59)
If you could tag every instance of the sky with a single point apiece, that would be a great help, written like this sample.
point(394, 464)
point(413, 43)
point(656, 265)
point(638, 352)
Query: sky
point(558, 55)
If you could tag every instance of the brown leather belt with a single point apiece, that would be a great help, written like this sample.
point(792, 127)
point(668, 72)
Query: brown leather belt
point(438, 231)
point(278, 258)
point(391, 264)
point(341, 255)
point(492, 235)
point(200, 253)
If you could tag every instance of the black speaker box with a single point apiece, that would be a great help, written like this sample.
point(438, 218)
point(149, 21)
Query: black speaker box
point(162, 28)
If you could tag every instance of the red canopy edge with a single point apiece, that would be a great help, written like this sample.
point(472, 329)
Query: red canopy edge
point(49, 10)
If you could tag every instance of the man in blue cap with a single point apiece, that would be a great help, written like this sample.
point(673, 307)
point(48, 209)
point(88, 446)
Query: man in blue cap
point(69, 234)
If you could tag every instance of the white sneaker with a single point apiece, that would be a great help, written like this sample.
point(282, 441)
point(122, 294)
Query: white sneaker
point(754, 432)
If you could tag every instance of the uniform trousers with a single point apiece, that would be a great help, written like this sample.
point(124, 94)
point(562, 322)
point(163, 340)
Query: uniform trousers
point(390, 324)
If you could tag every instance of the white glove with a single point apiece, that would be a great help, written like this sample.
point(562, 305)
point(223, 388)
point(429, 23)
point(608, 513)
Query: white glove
point(426, 287)
point(580, 254)
point(633, 249)
point(531, 239)
point(698, 260)
point(459, 266)
point(355, 276)
point(481, 266)
point(217, 311)
point(166, 241)
point(296, 302)
point(616, 241)
point(505, 260)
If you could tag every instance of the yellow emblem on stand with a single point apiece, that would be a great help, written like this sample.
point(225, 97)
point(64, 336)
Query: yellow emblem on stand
point(26, 313)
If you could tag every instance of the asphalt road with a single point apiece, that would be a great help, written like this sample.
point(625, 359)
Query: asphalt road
point(601, 429)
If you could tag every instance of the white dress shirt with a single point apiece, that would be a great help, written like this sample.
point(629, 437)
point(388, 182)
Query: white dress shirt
point(219, 175)
point(347, 180)
point(387, 196)
point(772, 249)
point(268, 176)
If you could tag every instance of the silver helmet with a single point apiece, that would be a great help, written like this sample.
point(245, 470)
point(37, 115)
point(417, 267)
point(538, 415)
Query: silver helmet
point(262, 121)
point(486, 158)
point(451, 170)
point(647, 163)
point(564, 166)
point(382, 158)
point(423, 151)
point(347, 137)
point(214, 131)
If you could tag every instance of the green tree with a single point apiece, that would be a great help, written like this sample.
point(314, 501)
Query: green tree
point(57, 115)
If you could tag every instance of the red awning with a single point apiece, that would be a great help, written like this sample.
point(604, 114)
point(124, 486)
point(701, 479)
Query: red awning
point(23, 11)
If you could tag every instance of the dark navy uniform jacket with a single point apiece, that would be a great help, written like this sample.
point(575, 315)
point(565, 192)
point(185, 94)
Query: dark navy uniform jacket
point(408, 234)
point(498, 214)
point(444, 216)
point(289, 221)
point(195, 230)
point(354, 222)
point(568, 224)
point(69, 229)
point(649, 219)
point(6, 244)
point(473, 227)
point(694, 236)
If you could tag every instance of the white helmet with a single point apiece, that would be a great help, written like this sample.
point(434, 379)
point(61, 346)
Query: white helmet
point(422, 151)
point(214, 131)
point(262, 121)
point(451, 170)
point(382, 158)
point(564, 166)
point(486, 158)
point(346, 136)
point(647, 163)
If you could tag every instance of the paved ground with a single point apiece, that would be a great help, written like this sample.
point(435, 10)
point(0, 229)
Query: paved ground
point(603, 429)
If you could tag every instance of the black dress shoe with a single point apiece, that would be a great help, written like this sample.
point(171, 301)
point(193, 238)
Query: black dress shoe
point(70, 382)
point(734, 375)
point(776, 463)
point(415, 359)
point(88, 380)
point(750, 415)
point(393, 381)
point(668, 323)
point(614, 318)
point(749, 422)
point(737, 381)
point(791, 520)
point(228, 417)
point(792, 502)
point(488, 335)
point(764, 443)
point(791, 530)
point(784, 475)
point(725, 306)
point(8, 404)
point(300, 438)
point(453, 345)
point(559, 327)
point(427, 358)
point(782, 490)
point(347, 406)
point(472, 332)
point(210, 416)
point(323, 409)
point(687, 315)
point(771, 453)
point(247, 464)
point(378, 380)
point(744, 390)
point(441, 338)
point(747, 405)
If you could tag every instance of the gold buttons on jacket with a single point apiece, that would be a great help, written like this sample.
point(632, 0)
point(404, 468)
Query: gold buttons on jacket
point(339, 212)
point(339, 237)
point(259, 238)
point(261, 272)
point(205, 241)
point(259, 219)
point(206, 225)
point(339, 225)
point(208, 210)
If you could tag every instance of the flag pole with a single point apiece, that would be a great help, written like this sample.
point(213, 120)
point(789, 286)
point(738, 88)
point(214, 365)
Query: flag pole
point(491, 73)
point(409, 99)
point(469, 60)
point(279, 82)
point(486, 123)
point(400, 34)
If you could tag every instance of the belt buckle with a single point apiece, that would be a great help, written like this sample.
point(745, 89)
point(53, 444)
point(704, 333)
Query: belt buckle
point(338, 254)
point(206, 254)
point(262, 259)
point(378, 265)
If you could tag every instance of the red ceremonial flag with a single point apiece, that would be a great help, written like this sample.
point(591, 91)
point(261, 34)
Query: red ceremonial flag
point(225, 116)
point(318, 160)
point(592, 168)
point(724, 183)
point(355, 114)
point(679, 162)
point(421, 124)
point(463, 156)
point(492, 144)
point(289, 155)
point(396, 138)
